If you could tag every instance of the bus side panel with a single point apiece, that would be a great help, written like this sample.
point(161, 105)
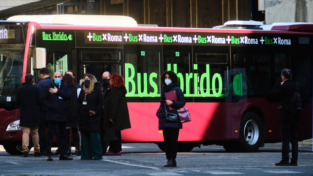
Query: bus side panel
point(209, 121)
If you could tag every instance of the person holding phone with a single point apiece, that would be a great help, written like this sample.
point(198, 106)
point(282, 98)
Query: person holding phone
point(170, 128)
point(90, 103)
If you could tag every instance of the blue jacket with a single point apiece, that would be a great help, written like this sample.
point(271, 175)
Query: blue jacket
point(163, 123)
point(41, 85)
point(56, 103)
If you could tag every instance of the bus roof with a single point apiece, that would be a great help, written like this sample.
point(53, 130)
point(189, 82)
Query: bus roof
point(78, 20)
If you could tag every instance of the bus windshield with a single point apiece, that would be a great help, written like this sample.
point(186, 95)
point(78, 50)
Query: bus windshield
point(11, 67)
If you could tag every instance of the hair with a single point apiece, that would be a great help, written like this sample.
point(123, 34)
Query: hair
point(93, 80)
point(70, 71)
point(69, 80)
point(28, 78)
point(172, 75)
point(286, 72)
point(117, 80)
point(44, 71)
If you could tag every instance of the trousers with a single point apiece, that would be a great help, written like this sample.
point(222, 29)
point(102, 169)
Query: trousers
point(52, 128)
point(91, 145)
point(25, 139)
point(171, 142)
point(289, 133)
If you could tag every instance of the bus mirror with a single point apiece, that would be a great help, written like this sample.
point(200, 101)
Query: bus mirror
point(40, 58)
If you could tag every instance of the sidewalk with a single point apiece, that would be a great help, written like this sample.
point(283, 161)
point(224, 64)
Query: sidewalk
point(307, 142)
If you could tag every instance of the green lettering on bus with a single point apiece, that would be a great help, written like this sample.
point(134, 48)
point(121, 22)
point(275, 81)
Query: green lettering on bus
point(203, 90)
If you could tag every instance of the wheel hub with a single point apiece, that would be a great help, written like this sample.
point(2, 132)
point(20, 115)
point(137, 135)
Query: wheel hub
point(251, 132)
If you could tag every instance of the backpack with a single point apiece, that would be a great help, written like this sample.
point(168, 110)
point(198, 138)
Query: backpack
point(295, 102)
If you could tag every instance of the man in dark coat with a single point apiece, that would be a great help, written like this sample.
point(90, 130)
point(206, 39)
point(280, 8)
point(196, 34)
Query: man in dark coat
point(54, 99)
point(105, 85)
point(289, 120)
point(27, 99)
point(70, 72)
point(45, 80)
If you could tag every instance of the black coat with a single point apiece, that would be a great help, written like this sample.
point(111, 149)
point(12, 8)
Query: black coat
point(72, 106)
point(163, 123)
point(27, 99)
point(115, 108)
point(94, 103)
point(285, 93)
point(41, 85)
point(56, 103)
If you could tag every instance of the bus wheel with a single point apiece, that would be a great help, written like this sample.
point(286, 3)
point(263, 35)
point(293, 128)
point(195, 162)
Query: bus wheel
point(251, 132)
point(11, 148)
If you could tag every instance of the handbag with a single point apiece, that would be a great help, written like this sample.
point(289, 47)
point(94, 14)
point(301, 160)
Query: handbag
point(170, 116)
point(110, 133)
point(184, 115)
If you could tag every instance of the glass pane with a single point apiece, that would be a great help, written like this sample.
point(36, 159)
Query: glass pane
point(11, 67)
point(142, 71)
point(97, 56)
point(61, 63)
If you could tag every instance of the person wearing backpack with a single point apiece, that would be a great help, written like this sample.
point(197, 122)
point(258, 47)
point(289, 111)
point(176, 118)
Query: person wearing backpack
point(293, 98)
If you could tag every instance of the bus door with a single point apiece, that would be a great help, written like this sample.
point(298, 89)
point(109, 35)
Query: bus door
point(97, 61)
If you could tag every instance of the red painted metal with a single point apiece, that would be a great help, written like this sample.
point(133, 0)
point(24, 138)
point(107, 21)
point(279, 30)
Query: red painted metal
point(295, 27)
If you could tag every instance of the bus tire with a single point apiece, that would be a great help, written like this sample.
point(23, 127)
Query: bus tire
point(251, 134)
point(11, 148)
point(182, 146)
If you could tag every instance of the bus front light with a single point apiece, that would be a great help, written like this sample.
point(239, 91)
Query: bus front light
point(14, 126)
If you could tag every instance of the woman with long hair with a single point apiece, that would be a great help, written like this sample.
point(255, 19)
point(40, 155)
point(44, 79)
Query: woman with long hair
point(73, 120)
point(90, 102)
point(116, 112)
point(170, 128)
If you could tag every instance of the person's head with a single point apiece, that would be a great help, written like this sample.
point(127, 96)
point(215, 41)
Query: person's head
point(57, 77)
point(89, 82)
point(168, 78)
point(117, 80)
point(44, 73)
point(29, 78)
point(286, 74)
point(70, 72)
point(69, 80)
point(106, 75)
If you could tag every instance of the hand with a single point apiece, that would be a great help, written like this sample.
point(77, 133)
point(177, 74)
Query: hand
point(281, 83)
point(111, 120)
point(92, 113)
point(168, 102)
point(53, 90)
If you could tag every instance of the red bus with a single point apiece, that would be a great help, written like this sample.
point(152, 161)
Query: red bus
point(226, 73)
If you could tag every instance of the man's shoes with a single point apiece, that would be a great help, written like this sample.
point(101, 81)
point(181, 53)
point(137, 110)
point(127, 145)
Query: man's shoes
point(19, 148)
point(49, 158)
point(25, 154)
point(282, 163)
point(37, 154)
point(171, 163)
point(65, 157)
point(293, 163)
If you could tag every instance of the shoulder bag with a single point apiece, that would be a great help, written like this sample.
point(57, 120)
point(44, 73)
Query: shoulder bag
point(169, 115)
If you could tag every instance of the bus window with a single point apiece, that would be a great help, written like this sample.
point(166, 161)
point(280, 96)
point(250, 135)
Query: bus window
point(302, 72)
point(11, 66)
point(143, 71)
point(256, 73)
point(211, 65)
point(281, 61)
point(57, 62)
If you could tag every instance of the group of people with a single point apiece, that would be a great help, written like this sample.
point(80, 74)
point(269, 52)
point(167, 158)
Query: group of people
point(99, 111)
point(57, 106)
